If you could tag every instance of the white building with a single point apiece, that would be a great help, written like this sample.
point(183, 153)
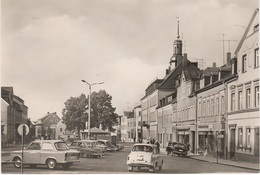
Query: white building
point(243, 97)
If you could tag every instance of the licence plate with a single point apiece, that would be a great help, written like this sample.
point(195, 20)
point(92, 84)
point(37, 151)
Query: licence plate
point(73, 158)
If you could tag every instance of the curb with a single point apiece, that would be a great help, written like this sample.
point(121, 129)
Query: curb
point(257, 169)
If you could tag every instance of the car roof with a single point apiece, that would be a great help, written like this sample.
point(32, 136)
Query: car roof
point(45, 141)
point(144, 144)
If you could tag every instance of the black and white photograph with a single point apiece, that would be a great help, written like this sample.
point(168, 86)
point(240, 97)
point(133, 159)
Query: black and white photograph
point(129, 86)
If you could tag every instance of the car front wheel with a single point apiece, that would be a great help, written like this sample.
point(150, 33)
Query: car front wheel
point(17, 162)
point(130, 168)
point(51, 164)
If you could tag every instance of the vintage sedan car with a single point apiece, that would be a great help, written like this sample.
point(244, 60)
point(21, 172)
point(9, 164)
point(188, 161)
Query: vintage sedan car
point(144, 155)
point(180, 149)
point(46, 152)
point(108, 144)
point(92, 144)
point(99, 145)
point(85, 150)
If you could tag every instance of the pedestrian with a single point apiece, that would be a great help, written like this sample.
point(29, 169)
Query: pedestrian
point(158, 146)
point(134, 139)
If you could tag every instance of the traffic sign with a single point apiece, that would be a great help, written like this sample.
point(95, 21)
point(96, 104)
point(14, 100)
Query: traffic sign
point(20, 129)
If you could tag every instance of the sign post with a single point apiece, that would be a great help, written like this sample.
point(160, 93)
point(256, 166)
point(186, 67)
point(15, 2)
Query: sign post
point(23, 130)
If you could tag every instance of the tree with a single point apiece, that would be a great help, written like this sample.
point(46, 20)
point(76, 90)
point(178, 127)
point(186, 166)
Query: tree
point(74, 113)
point(102, 111)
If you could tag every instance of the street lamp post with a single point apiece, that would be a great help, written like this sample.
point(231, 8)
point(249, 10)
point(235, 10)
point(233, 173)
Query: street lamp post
point(89, 103)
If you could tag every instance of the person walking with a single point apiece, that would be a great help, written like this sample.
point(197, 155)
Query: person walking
point(158, 146)
point(134, 139)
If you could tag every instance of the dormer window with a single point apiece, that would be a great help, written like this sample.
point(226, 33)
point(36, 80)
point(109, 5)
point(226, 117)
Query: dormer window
point(233, 68)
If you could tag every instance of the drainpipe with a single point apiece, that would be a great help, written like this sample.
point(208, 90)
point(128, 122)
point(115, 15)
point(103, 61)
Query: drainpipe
point(226, 121)
point(196, 123)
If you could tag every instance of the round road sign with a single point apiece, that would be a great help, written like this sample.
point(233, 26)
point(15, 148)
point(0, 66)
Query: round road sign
point(20, 129)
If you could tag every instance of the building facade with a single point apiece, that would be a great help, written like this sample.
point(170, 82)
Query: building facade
point(16, 114)
point(243, 97)
point(46, 126)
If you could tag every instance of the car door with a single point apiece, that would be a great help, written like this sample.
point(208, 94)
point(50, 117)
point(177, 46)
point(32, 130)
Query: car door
point(32, 154)
point(47, 150)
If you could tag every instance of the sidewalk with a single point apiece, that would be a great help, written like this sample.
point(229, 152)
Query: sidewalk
point(246, 165)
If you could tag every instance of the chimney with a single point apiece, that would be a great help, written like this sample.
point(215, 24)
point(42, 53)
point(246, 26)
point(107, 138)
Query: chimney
point(167, 71)
point(214, 64)
point(228, 58)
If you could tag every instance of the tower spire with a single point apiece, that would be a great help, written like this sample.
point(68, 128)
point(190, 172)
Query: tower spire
point(178, 33)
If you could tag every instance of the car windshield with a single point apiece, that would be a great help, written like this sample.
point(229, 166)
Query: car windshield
point(143, 148)
point(61, 146)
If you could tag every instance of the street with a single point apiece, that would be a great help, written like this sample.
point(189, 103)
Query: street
point(115, 162)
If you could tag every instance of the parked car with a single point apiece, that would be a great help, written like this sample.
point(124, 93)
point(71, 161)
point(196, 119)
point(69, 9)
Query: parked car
point(180, 149)
point(92, 144)
point(144, 155)
point(49, 152)
point(85, 149)
point(99, 145)
point(108, 144)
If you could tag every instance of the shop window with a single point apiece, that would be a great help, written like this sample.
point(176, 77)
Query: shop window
point(248, 133)
point(240, 138)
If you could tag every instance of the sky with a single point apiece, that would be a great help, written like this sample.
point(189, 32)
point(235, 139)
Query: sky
point(49, 46)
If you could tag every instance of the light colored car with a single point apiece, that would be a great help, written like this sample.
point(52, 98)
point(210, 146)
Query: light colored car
point(108, 144)
point(98, 145)
point(46, 152)
point(85, 149)
point(92, 145)
point(144, 155)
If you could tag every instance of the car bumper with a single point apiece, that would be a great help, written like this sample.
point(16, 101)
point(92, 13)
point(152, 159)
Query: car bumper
point(139, 164)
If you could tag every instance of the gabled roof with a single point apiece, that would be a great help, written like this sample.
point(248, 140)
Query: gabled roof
point(209, 70)
point(41, 120)
point(246, 31)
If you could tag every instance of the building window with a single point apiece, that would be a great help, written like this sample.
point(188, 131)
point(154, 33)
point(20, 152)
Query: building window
point(239, 101)
point(222, 105)
point(60, 129)
point(217, 106)
point(248, 132)
point(208, 107)
point(256, 58)
point(233, 102)
point(257, 96)
point(204, 108)
point(212, 106)
point(240, 137)
point(244, 63)
point(248, 98)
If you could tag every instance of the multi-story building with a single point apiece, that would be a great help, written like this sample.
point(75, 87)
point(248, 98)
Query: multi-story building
point(46, 126)
point(243, 97)
point(4, 109)
point(16, 114)
point(211, 108)
point(123, 128)
point(138, 123)
point(149, 104)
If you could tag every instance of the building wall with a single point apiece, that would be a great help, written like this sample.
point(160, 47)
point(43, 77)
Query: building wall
point(243, 108)
point(211, 120)
point(4, 108)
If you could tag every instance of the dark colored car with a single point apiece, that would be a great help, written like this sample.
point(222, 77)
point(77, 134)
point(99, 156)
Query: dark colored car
point(178, 149)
